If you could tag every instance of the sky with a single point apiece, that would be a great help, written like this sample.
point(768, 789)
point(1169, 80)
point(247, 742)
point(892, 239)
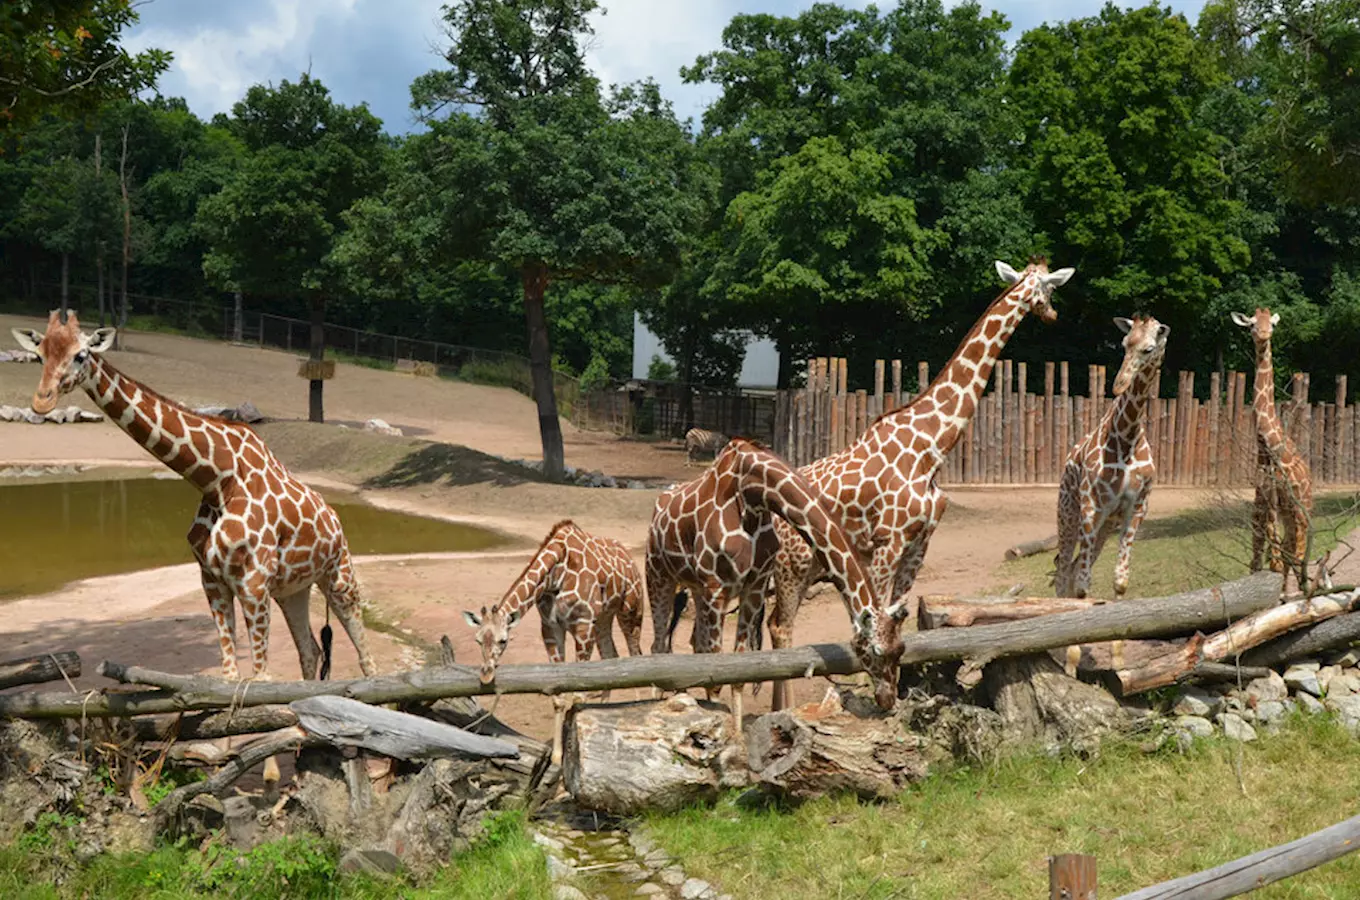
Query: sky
point(371, 50)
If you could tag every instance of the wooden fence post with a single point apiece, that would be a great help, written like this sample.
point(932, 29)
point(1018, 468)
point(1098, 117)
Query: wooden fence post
point(897, 382)
point(879, 406)
point(1072, 876)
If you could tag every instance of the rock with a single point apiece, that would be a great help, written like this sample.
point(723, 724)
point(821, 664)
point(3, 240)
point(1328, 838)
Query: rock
point(128, 833)
point(1303, 680)
point(567, 892)
point(1348, 710)
point(656, 858)
point(695, 889)
point(1326, 674)
point(1271, 712)
point(1196, 702)
point(1272, 687)
point(1187, 728)
point(672, 875)
point(550, 843)
point(372, 860)
point(633, 872)
point(1236, 728)
point(1310, 704)
point(1346, 658)
point(641, 844)
point(1343, 686)
point(646, 890)
point(558, 870)
point(378, 426)
point(248, 413)
point(242, 823)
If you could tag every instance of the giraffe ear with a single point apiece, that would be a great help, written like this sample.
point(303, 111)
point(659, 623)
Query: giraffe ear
point(27, 338)
point(513, 617)
point(472, 618)
point(1058, 278)
point(1275, 319)
point(101, 340)
point(1163, 331)
point(1008, 275)
point(898, 611)
point(1240, 319)
point(1123, 324)
point(865, 620)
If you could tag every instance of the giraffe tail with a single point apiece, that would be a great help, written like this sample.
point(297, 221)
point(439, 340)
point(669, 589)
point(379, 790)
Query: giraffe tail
point(326, 637)
point(677, 607)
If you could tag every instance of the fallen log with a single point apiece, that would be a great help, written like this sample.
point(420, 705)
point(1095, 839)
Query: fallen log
point(1177, 614)
point(348, 723)
point(1238, 637)
point(1259, 869)
point(38, 669)
point(209, 725)
point(1030, 548)
point(942, 611)
point(1335, 632)
point(628, 758)
point(283, 740)
point(1106, 656)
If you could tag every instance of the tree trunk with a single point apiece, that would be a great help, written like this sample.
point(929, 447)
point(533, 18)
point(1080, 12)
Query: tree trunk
point(238, 325)
point(65, 282)
point(535, 279)
point(99, 243)
point(315, 413)
point(127, 235)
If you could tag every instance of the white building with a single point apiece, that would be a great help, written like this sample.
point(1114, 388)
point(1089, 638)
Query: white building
point(759, 369)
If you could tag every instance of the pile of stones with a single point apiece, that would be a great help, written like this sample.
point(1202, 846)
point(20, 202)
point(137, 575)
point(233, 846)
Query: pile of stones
point(63, 416)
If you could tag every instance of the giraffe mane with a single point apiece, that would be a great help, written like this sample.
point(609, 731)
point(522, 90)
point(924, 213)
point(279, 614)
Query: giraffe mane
point(175, 404)
point(552, 533)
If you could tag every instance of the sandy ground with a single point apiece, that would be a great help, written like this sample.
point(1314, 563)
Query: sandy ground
point(159, 618)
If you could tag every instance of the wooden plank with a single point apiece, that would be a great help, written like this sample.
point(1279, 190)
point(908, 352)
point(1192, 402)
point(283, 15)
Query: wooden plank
point(843, 401)
point(994, 443)
point(1007, 421)
point(861, 412)
point(1050, 432)
point(1072, 876)
point(343, 722)
point(897, 383)
point(1215, 413)
point(61, 664)
point(1023, 440)
point(836, 427)
point(879, 374)
point(922, 377)
point(1172, 455)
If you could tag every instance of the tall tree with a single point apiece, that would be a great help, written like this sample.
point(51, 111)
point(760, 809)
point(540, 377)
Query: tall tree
point(272, 228)
point(545, 177)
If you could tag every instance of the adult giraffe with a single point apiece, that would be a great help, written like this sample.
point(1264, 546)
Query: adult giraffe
point(259, 532)
point(714, 536)
point(1283, 506)
point(1109, 473)
point(883, 486)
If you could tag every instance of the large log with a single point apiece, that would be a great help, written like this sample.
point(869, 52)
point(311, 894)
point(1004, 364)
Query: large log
point(1030, 548)
point(1335, 632)
point(948, 612)
point(1244, 875)
point(1238, 637)
point(348, 723)
point(1199, 610)
point(628, 758)
point(37, 669)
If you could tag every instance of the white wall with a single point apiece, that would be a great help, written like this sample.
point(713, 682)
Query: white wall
point(759, 369)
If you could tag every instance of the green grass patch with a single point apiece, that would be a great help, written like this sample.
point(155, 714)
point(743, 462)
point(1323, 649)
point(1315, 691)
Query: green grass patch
point(1193, 549)
point(504, 865)
point(356, 359)
point(987, 832)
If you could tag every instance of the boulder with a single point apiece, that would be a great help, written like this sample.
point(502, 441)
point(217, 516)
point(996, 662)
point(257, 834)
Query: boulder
point(378, 426)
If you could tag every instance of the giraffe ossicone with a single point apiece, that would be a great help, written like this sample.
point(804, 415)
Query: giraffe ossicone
point(258, 533)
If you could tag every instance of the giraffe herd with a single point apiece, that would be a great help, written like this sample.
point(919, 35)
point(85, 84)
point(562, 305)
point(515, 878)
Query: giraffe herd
point(750, 533)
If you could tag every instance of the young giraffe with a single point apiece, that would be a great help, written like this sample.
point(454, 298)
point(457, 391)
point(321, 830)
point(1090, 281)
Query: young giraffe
point(883, 486)
point(579, 583)
point(714, 536)
point(1109, 473)
point(1283, 508)
point(259, 532)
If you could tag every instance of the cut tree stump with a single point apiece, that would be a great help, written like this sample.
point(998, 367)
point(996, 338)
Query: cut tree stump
point(627, 758)
point(1039, 702)
point(822, 748)
point(38, 669)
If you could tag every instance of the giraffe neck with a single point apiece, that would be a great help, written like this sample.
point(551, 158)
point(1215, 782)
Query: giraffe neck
point(534, 579)
point(185, 441)
point(1127, 419)
point(1268, 427)
point(953, 396)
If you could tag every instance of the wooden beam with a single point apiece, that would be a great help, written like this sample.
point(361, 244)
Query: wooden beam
point(1259, 869)
point(1305, 642)
point(38, 669)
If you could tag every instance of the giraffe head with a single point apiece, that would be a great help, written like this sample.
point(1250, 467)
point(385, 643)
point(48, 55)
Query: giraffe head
point(1144, 347)
point(1034, 286)
point(1262, 324)
point(877, 642)
point(493, 633)
point(67, 356)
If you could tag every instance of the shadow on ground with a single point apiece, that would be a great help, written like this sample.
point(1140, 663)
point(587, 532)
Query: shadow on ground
point(451, 464)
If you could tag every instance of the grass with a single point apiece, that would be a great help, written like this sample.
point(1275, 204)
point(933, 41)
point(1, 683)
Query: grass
point(504, 865)
point(986, 833)
point(1193, 549)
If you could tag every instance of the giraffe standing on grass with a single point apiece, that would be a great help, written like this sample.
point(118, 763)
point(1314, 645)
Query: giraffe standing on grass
point(1109, 473)
point(714, 537)
point(1283, 507)
point(580, 584)
point(882, 488)
point(258, 532)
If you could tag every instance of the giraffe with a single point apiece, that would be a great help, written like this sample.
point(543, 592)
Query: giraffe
point(714, 537)
point(258, 532)
point(700, 440)
point(883, 486)
point(580, 583)
point(1109, 473)
point(1283, 505)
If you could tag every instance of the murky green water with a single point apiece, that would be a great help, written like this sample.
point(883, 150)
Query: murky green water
point(57, 532)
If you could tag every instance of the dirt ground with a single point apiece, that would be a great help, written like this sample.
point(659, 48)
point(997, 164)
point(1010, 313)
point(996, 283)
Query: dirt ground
point(159, 618)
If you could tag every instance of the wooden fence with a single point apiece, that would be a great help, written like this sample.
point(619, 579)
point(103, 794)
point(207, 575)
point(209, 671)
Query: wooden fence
point(1022, 437)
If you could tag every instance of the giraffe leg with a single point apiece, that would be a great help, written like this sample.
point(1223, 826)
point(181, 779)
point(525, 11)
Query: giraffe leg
point(749, 615)
point(341, 589)
point(790, 586)
point(1260, 514)
point(604, 638)
point(1069, 525)
point(222, 605)
point(1126, 536)
point(298, 616)
point(630, 621)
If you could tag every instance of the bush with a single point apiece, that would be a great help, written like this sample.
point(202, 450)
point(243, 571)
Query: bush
point(660, 370)
point(596, 375)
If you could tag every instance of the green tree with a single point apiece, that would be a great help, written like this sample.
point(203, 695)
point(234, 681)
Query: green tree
point(272, 228)
point(540, 174)
point(63, 56)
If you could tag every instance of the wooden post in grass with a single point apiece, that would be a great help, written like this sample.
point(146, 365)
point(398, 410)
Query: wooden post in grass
point(1072, 876)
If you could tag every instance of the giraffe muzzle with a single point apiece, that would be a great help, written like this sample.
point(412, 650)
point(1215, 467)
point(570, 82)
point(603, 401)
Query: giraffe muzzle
point(1048, 314)
point(487, 675)
point(44, 402)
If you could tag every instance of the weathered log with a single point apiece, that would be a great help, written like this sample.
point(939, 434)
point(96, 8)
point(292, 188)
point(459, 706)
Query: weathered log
point(1305, 642)
point(37, 669)
point(1259, 869)
point(821, 748)
point(1238, 637)
point(349, 723)
point(269, 745)
point(1106, 656)
point(942, 611)
point(626, 758)
point(1176, 614)
point(206, 726)
point(1217, 671)
point(1039, 702)
point(1030, 548)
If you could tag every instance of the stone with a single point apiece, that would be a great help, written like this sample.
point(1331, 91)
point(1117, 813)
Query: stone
point(1348, 710)
point(1195, 702)
point(1326, 674)
point(1188, 728)
point(1345, 658)
point(1272, 687)
point(1236, 728)
point(646, 890)
point(633, 872)
point(641, 844)
point(1343, 686)
point(1271, 712)
point(373, 860)
point(1303, 680)
point(248, 413)
point(695, 889)
point(558, 870)
point(378, 426)
point(551, 843)
point(656, 858)
point(672, 875)
point(1307, 665)
point(567, 892)
point(1310, 704)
